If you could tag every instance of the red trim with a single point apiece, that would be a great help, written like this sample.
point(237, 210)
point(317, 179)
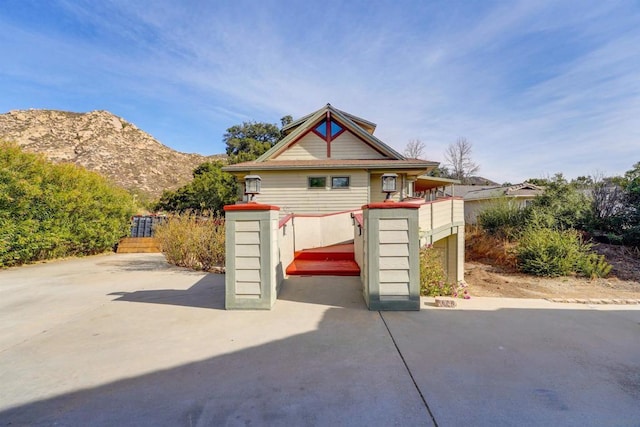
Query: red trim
point(369, 144)
point(251, 207)
point(321, 136)
point(340, 132)
point(391, 205)
point(327, 130)
point(284, 220)
point(359, 219)
point(327, 214)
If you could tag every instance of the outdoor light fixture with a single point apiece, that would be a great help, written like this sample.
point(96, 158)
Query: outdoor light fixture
point(389, 184)
point(252, 185)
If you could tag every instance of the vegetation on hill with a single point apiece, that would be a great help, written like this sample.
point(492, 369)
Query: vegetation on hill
point(548, 237)
point(105, 143)
point(55, 210)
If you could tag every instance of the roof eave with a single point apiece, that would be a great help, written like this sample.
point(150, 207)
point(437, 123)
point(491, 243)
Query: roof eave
point(276, 167)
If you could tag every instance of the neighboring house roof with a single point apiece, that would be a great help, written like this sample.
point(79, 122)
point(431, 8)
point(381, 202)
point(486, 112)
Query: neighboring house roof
point(462, 190)
point(359, 127)
point(519, 190)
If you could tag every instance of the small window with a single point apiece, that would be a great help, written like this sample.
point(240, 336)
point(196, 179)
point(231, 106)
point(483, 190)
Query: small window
point(333, 129)
point(317, 181)
point(322, 129)
point(339, 182)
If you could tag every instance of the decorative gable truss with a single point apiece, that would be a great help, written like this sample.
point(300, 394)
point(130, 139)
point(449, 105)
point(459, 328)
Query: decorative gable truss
point(330, 134)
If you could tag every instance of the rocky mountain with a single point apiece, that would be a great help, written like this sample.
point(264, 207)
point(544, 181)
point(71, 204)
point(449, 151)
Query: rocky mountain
point(104, 143)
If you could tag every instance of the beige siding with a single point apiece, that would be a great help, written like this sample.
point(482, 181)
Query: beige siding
point(441, 213)
point(349, 146)
point(376, 195)
point(288, 190)
point(309, 147)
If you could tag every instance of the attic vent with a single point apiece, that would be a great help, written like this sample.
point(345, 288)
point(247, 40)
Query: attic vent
point(335, 129)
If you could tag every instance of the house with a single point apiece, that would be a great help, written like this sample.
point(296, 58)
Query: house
point(330, 161)
point(336, 200)
point(519, 195)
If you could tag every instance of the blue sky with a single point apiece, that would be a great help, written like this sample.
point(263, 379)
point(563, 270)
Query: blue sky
point(537, 86)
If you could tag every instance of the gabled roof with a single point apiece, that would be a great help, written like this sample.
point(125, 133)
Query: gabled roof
point(348, 120)
point(370, 127)
point(519, 190)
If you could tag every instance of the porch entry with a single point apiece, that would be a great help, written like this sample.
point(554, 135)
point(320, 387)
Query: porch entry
point(379, 243)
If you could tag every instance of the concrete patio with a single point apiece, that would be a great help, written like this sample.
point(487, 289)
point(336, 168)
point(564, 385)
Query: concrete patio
point(128, 340)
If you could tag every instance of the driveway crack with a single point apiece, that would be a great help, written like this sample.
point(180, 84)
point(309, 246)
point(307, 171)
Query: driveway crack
point(415, 384)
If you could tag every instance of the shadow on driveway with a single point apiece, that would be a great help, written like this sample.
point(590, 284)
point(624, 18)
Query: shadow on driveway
point(207, 292)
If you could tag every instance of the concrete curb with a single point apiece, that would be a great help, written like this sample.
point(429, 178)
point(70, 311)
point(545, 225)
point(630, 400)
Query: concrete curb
point(624, 301)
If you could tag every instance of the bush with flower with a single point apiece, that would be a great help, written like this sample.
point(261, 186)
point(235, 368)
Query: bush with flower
point(433, 279)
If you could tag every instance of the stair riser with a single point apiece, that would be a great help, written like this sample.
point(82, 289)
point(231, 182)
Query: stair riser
point(323, 273)
point(325, 256)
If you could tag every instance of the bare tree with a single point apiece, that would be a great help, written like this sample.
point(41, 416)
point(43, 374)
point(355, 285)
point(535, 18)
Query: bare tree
point(607, 198)
point(458, 160)
point(414, 149)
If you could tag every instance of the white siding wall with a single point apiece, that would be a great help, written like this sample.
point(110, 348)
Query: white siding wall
point(309, 147)
point(317, 231)
point(349, 146)
point(288, 190)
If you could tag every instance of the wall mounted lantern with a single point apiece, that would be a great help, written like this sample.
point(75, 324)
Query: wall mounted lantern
point(252, 185)
point(389, 181)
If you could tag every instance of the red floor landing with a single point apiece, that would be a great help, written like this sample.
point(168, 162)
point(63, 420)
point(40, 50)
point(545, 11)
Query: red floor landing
point(335, 260)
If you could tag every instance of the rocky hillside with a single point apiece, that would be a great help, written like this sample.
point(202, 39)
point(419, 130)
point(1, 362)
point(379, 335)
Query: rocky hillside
point(104, 143)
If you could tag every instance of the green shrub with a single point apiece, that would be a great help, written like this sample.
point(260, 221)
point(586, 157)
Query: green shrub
point(631, 236)
point(593, 265)
point(548, 252)
point(562, 206)
point(54, 210)
point(432, 275)
point(503, 218)
point(193, 241)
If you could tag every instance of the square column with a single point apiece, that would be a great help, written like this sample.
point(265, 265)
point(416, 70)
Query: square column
point(251, 256)
point(391, 274)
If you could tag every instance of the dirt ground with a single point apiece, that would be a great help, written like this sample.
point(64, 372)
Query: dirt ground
point(623, 283)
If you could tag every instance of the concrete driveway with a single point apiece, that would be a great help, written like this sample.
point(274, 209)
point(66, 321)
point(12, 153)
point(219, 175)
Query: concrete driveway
point(128, 340)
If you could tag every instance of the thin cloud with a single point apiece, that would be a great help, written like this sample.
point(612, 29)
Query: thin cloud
point(534, 85)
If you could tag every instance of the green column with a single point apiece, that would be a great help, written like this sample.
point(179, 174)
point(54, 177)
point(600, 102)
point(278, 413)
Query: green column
point(391, 256)
point(251, 256)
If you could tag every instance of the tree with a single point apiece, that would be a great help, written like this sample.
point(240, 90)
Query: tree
point(458, 160)
point(55, 210)
point(540, 182)
point(414, 149)
point(607, 203)
point(286, 120)
point(561, 206)
point(440, 172)
point(250, 140)
point(210, 190)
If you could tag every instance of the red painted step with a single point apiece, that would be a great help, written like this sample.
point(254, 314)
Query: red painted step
point(335, 260)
